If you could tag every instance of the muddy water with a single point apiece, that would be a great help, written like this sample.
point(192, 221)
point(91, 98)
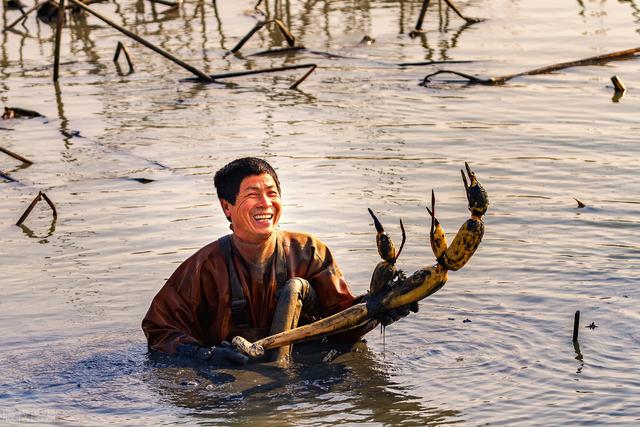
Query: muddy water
point(494, 346)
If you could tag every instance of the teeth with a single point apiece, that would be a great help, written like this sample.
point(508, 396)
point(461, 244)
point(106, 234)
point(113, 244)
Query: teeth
point(262, 217)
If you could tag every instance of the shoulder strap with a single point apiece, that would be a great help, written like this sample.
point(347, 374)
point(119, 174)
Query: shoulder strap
point(281, 264)
point(239, 315)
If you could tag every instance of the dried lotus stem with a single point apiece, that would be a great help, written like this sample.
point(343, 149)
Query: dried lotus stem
point(494, 81)
point(16, 156)
point(40, 196)
point(56, 52)
point(144, 42)
point(121, 48)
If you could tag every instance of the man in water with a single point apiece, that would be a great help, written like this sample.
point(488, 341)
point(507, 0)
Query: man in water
point(255, 282)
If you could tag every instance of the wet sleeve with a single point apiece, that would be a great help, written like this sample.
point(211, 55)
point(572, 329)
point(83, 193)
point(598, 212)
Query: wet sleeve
point(334, 293)
point(332, 290)
point(172, 317)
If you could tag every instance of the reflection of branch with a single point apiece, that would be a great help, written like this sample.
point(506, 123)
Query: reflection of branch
point(23, 17)
point(217, 16)
point(636, 11)
point(29, 232)
point(144, 42)
point(40, 196)
point(494, 81)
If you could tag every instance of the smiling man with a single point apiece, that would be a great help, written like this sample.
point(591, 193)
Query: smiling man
point(255, 282)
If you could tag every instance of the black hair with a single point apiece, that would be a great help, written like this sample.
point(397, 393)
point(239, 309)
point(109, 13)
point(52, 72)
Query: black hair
point(227, 180)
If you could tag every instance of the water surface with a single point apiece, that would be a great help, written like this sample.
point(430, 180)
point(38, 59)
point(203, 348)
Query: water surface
point(359, 133)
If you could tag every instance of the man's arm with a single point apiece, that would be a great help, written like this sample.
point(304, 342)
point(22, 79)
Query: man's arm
point(170, 320)
point(172, 324)
point(333, 293)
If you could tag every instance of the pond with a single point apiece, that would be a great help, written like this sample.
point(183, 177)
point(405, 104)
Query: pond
point(128, 160)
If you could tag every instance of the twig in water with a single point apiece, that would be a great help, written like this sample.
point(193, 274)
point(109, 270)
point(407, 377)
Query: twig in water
point(278, 51)
point(423, 10)
point(76, 9)
point(619, 89)
point(495, 81)
point(144, 42)
point(303, 78)
point(291, 40)
point(7, 177)
point(215, 77)
point(576, 325)
point(16, 156)
point(617, 84)
point(40, 196)
point(16, 113)
point(166, 2)
point(56, 54)
point(246, 37)
point(23, 17)
point(120, 47)
point(466, 18)
point(423, 63)
point(286, 33)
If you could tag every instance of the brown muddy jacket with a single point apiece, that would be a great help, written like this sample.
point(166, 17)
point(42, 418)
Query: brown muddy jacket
point(194, 305)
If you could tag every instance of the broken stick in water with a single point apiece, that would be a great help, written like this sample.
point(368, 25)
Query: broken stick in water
point(466, 18)
point(16, 156)
point(279, 51)
point(291, 40)
point(423, 10)
point(167, 2)
point(303, 78)
point(40, 196)
point(576, 325)
point(120, 48)
point(617, 84)
point(494, 81)
point(216, 77)
point(7, 177)
point(56, 54)
point(18, 113)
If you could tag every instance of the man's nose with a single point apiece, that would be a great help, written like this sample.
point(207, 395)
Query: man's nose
point(264, 200)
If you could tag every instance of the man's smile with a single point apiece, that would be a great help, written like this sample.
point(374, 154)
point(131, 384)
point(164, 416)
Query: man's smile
point(263, 217)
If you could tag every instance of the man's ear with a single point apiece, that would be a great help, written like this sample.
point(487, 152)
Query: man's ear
point(226, 208)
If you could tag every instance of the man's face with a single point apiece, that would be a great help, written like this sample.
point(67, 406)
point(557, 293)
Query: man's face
point(256, 212)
